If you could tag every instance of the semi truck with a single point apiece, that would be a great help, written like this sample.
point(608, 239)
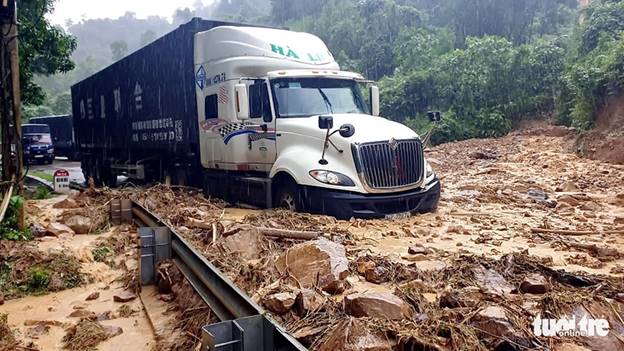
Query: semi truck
point(253, 115)
point(62, 129)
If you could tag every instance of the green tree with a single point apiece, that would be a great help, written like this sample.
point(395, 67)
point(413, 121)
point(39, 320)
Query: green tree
point(119, 49)
point(44, 49)
point(147, 37)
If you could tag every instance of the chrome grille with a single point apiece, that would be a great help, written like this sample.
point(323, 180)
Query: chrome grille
point(386, 167)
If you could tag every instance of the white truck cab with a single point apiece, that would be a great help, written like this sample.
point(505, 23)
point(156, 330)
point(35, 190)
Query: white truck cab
point(281, 125)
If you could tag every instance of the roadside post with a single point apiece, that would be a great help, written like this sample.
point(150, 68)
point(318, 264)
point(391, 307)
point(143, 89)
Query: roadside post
point(61, 181)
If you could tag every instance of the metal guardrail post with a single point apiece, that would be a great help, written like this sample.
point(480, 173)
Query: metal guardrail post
point(225, 299)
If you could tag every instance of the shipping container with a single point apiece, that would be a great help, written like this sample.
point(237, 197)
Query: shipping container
point(142, 109)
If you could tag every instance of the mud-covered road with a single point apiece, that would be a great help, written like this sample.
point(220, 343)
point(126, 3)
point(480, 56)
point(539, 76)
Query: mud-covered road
point(524, 229)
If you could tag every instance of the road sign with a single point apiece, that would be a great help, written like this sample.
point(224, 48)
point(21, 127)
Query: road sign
point(61, 181)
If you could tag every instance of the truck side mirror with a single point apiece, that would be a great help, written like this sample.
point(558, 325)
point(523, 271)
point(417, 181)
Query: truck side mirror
point(374, 100)
point(241, 99)
point(326, 122)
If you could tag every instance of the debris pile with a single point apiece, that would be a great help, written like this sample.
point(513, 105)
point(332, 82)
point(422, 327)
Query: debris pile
point(87, 334)
point(473, 276)
point(24, 269)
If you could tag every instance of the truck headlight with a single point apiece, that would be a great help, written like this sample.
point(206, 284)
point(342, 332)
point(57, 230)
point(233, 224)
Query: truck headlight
point(50, 151)
point(333, 178)
point(429, 171)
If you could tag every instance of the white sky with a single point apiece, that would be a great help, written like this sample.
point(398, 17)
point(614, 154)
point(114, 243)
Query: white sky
point(79, 9)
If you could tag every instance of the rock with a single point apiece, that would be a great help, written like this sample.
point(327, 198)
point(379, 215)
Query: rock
point(56, 229)
point(568, 187)
point(124, 296)
point(377, 305)
point(93, 296)
point(363, 266)
point(105, 316)
point(618, 200)
point(354, 335)
point(618, 297)
point(280, 303)
point(377, 275)
point(493, 321)
point(470, 296)
point(1, 299)
point(321, 263)
point(37, 331)
point(245, 243)
point(81, 314)
point(66, 204)
point(416, 284)
point(418, 250)
point(491, 282)
point(569, 199)
point(79, 224)
point(537, 195)
point(534, 284)
point(56, 282)
point(430, 265)
point(307, 334)
point(167, 297)
point(308, 301)
point(38, 230)
point(569, 347)
point(113, 331)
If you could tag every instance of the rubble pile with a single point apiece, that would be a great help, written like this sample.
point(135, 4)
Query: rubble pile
point(523, 230)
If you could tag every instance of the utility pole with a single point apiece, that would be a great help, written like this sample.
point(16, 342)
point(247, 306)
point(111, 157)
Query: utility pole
point(10, 104)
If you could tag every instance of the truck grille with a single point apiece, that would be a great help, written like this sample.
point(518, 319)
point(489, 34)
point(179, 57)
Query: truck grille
point(384, 166)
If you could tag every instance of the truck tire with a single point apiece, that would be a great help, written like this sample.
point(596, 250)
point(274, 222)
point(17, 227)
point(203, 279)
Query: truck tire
point(288, 197)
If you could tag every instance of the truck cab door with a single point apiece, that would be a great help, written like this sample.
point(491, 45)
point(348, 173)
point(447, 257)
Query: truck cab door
point(261, 139)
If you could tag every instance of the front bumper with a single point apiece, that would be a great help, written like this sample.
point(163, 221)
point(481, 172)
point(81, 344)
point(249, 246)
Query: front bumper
point(345, 205)
point(35, 158)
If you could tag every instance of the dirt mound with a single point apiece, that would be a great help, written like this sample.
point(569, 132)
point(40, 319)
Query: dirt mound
point(606, 141)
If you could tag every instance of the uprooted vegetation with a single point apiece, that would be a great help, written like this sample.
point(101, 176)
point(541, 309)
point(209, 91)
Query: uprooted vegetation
point(26, 270)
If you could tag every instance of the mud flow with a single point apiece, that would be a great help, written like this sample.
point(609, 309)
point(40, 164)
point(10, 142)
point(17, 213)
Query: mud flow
point(525, 232)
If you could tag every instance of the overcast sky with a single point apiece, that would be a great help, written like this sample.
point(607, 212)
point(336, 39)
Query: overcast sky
point(78, 9)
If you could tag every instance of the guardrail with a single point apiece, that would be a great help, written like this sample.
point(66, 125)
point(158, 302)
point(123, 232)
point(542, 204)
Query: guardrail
point(243, 321)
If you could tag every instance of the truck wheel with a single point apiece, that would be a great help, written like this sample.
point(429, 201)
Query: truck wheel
point(288, 197)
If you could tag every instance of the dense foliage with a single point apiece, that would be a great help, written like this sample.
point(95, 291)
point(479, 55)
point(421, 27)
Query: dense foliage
point(486, 64)
point(596, 70)
point(44, 49)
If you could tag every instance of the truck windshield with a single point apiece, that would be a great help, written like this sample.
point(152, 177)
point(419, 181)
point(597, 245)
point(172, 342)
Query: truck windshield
point(35, 129)
point(304, 97)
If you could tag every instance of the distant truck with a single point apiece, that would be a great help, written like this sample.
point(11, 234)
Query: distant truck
point(37, 144)
point(256, 115)
point(62, 129)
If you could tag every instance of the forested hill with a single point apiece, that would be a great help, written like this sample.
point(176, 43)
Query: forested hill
point(485, 64)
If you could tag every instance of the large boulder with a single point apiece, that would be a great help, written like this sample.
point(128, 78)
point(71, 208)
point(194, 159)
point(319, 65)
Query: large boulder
point(79, 224)
point(494, 322)
point(321, 263)
point(353, 335)
point(66, 204)
point(377, 305)
point(491, 282)
point(246, 243)
point(280, 303)
point(57, 229)
point(534, 284)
